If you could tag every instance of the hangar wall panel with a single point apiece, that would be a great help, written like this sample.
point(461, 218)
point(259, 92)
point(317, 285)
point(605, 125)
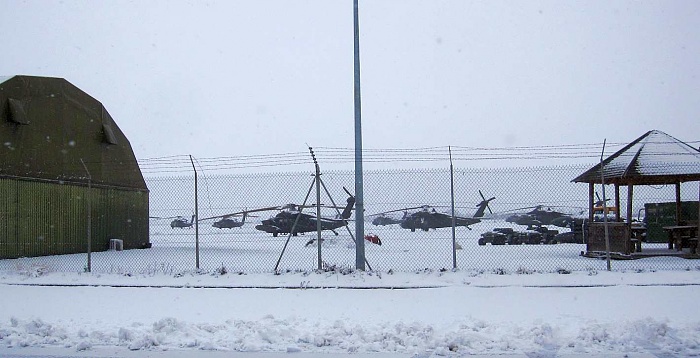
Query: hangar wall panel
point(40, 218)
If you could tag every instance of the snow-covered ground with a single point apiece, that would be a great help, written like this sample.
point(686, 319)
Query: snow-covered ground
point(248, 250)
point(423, 313)
point(535, 300)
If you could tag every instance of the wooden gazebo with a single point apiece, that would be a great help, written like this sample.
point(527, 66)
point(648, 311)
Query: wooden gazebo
point(655, 158)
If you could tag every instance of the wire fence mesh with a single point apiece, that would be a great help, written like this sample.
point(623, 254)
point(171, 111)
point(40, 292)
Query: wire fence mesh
point(204, 228)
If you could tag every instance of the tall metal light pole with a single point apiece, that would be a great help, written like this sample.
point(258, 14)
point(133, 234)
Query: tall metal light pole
point(359, 194)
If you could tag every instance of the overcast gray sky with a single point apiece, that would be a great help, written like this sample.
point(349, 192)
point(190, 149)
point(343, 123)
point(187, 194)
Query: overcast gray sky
point(227, 78)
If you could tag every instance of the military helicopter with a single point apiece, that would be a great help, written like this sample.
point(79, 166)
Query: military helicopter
point(539, 216)
point(383, 220)
point(429, 218)
point(282, 222)
point(228, 222)
point(181, 222)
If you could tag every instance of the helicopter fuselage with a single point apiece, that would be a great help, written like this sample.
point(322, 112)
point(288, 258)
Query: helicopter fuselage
point(426, 220)
point(384, 220)
point(181, 223)
point(538, 216)
point(284, 221)
point(227, 223)
point(282, 224)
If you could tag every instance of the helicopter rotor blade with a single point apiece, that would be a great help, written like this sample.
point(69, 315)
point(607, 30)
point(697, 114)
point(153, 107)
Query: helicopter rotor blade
point(229, 216)
point(322, 205)
point(482, 195)
point(397, 210)
point(348, 192)
point(165, 217)
point(519, 209)
point(271, 208)
point(242, 212)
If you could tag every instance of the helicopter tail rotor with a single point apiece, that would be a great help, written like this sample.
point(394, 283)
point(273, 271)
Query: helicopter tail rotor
point(483, 198)
point(600, 201)
point(483, 205)
point(347, 212)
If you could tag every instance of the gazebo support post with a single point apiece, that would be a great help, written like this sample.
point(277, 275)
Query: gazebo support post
point(678, 203)
point(630, 192)
point(591, 193)
point(617, 203)
point(637, 243)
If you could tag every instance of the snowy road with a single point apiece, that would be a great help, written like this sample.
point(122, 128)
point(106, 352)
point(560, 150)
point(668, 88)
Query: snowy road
point(534, 315)
point(112, 353)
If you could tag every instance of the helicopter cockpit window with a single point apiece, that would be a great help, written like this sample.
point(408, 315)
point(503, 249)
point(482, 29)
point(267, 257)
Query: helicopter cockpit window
point(17, 113)
point(109, 136)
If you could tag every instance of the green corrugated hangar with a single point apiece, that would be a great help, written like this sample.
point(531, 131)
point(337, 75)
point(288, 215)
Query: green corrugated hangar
point(65, 163)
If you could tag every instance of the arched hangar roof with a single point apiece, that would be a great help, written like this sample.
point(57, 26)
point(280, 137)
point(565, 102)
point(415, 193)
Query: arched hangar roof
point(52, 130)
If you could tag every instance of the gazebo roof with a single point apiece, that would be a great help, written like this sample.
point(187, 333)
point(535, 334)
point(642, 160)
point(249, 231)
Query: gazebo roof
point(653, 158)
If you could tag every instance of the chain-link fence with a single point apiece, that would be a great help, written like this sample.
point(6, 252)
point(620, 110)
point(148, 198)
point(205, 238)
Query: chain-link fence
point(248, 244)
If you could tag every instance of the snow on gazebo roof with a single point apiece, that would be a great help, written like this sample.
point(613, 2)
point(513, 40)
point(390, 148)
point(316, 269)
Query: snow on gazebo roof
point(653, 158)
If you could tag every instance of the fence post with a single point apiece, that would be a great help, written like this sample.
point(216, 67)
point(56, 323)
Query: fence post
point(88, 196)
point(452, 196)
point(605, 214)
point(196, 216)
point(317, 179)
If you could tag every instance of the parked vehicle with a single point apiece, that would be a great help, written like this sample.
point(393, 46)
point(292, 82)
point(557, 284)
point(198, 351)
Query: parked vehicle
point(495, 237)
point(534, 235)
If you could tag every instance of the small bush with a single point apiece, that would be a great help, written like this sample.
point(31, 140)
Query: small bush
point(500, 271)
point(524, 271)
point(221, 270)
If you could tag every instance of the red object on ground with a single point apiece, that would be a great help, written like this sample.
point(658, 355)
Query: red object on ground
point(373, 239)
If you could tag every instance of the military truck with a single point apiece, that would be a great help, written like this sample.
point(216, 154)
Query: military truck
point(534, 235)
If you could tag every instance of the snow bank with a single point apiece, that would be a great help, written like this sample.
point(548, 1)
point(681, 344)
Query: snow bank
point(462, 312)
